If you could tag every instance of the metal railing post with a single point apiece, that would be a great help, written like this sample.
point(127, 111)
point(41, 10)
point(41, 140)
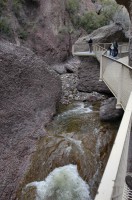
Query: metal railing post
point(101, 68)
point(72, 49)
point(120, 50)
point(118, 105)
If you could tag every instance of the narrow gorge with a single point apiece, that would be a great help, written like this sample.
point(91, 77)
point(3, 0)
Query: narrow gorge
point(55, 137)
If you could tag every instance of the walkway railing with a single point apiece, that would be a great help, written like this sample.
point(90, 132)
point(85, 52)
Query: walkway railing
point(113, 180)
point(99, 50)
point(82, 49)
point(117, 75)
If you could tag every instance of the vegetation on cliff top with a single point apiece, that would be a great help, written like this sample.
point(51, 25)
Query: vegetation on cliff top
point(16, 7)
point(91, 20)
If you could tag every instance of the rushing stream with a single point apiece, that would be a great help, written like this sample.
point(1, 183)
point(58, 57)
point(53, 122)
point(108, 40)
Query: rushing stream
point(63, 183)
point(70, 160)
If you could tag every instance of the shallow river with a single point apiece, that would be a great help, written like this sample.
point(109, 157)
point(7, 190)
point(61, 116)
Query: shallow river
point(72, 156)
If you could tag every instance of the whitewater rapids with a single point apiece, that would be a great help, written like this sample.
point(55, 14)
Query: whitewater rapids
point(63, 183)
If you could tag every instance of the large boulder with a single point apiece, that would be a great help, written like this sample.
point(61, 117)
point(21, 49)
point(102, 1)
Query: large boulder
point(29, 93)
point(89, 76)
point(60, 69)
point(108, 111)
point(108, 33)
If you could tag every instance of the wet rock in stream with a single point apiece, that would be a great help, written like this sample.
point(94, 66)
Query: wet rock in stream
point(108, 111)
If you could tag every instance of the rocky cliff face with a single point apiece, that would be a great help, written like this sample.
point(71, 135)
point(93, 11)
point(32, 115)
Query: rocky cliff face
point(45, 26)
point(29, 92)
point(128, 5)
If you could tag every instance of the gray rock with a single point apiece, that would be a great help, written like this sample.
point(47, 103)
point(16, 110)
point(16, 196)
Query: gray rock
point(88, 73)
point(108, 111)
point(95, 97)
point(60, 69)
point(108, 34)
point(70, 68)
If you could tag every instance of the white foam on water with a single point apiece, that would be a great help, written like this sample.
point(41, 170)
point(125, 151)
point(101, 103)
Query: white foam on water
point(79, 109)
point(63, 183)
point(68, 150)
point(77, 143)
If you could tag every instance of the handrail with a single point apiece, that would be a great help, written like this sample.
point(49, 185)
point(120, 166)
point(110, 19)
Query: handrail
point(112, 183)
point(97, 45)
point(113, 180)
point(104, 45)
point(82, 49)
point(111, 58)
point(117, 84)
point(100, 52)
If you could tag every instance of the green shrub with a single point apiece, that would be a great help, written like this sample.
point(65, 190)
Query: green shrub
point(72, 6)
point(76, 20)
point(3, 4)
point(91, 21)
point(4, 26)
point(109, 8)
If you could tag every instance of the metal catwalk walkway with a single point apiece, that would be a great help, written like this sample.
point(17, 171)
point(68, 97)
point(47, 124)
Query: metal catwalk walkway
point(117, 75)
point(85, 53)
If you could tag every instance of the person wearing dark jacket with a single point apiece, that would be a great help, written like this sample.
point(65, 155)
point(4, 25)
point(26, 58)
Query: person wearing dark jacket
point(115, 49)
point(90, 42)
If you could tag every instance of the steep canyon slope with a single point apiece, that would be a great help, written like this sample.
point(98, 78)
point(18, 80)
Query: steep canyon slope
point(45, 26)
point(29, 91)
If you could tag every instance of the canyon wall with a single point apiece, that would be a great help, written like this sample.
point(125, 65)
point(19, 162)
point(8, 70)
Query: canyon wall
point(128, 5)
point(45, 26)
point(29, 93)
